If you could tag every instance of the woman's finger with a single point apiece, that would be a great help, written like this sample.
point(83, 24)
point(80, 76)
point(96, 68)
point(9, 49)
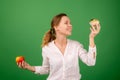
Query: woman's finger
point(91, 29)
point(20, 65)
point(98, 27)
point(24, 64)
point(17, 63)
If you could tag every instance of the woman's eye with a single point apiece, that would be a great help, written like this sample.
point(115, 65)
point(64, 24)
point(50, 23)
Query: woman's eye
point(66, 23)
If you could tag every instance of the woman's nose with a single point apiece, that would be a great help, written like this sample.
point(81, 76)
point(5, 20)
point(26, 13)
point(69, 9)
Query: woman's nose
point(70, 25)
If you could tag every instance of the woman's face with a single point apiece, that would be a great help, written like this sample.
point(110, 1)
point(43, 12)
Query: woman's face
point(64, 27)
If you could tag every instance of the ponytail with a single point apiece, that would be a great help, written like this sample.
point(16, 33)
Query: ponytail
point(48, 37)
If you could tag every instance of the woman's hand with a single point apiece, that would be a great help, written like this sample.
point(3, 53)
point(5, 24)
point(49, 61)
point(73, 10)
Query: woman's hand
point(25, 65)
point(95, 29)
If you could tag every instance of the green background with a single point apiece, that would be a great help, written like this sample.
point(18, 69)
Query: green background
point(24, 22)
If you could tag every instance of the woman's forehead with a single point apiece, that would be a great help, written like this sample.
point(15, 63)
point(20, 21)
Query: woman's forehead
point(65, 18)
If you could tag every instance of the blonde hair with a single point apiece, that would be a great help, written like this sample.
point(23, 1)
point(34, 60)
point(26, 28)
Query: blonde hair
point(50, 35)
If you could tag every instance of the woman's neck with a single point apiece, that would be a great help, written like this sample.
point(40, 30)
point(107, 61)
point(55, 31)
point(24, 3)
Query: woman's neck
point(61, 43)
point(61, 40)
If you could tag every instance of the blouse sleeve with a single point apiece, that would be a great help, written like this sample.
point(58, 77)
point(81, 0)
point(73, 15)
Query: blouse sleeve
point(88, 57)
point(44, 69)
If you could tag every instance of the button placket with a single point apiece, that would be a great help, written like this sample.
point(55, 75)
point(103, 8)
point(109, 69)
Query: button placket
point(63, 68)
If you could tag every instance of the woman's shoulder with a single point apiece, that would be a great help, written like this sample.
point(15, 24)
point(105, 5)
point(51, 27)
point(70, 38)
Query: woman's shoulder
point(49, 45)
point(74, 42)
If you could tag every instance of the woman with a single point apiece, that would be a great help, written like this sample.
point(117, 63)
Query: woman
point(61, 55)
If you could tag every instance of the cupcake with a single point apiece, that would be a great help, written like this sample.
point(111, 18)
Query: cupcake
point(94, 22)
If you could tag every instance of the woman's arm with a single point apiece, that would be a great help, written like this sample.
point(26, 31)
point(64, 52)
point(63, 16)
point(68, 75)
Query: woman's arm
point(44, 69)
point(90, 57)
point(87, 56)
point(95, 29)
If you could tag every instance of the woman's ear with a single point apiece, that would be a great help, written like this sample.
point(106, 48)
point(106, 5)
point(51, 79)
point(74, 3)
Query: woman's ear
point(56, 28)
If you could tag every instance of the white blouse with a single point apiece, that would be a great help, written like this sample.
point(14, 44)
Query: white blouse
point(65, 67)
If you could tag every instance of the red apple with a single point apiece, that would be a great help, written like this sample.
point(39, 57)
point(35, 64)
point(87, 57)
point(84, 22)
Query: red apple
point(20, 59)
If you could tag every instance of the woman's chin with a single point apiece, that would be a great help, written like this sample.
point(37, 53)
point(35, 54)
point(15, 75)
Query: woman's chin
point(69, 34)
